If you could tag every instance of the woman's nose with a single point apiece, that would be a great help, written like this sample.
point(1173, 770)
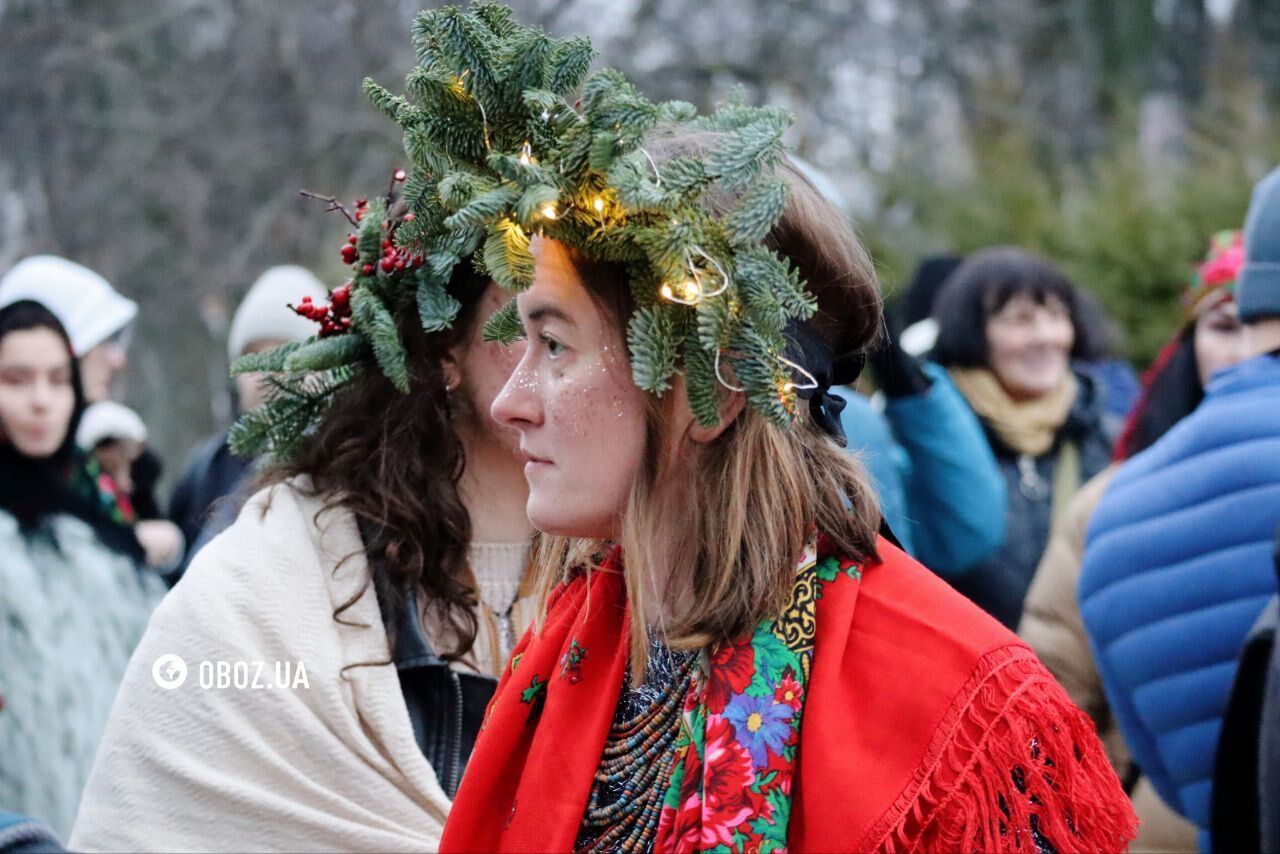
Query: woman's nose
point(41, 396)
point(519, 404)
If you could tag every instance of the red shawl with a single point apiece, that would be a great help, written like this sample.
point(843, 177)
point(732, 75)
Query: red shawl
point(895, 716)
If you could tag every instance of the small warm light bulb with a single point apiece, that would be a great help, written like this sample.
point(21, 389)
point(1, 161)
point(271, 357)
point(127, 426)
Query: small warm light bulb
point(526, 154)
point(598, 204)
point(687, 292)
point(549, 211)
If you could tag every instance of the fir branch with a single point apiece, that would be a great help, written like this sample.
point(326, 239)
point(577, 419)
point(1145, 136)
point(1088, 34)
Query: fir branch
point(507, 256)
point(322, 354)
point(571, 64)
point(654, 347)
point(530, 209)
point(483, 208)
point(757, 212)
point(266, 361)
point(745, 151)
point(701, 386)
point(504, 325)
point(376, 322)
point(397, 108)
point(437, 308)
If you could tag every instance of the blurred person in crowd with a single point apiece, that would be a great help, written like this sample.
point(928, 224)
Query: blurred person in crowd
point(1210, 339)
point(22, 835)
point(73, 598)
point(215, 482)
point(1010, 325)
point(1178, 557)
point(386, 558)
point(940, 489)
point(1246, 776)
point(114, 438)
point(100, 323)
point(914, 317)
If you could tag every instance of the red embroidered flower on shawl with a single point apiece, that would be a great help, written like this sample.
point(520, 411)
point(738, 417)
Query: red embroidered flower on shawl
point(789, 691)
point(731, 670)
point(727, 779)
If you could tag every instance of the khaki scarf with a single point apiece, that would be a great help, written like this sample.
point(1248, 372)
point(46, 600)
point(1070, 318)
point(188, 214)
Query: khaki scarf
point(1028, 427)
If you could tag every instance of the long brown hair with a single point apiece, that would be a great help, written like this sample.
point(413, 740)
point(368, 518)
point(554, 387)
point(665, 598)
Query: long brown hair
point(726, 533)
point(394, 461)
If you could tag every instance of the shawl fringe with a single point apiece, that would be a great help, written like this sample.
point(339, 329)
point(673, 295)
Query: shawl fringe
point(1013, 760)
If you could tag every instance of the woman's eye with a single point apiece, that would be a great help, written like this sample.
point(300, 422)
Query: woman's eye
point(554, 347)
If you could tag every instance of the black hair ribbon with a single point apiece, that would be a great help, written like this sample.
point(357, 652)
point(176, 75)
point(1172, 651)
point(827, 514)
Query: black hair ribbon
point(807, 349)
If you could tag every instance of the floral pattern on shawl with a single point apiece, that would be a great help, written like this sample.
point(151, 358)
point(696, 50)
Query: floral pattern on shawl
point(730, 788)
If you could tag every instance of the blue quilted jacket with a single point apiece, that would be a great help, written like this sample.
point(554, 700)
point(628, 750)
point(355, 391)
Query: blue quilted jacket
point(1177, 568)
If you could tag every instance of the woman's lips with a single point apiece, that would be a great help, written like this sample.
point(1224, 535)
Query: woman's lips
point(534, 464)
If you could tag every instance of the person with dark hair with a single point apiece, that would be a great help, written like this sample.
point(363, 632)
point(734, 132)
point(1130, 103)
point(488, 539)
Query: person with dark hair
point(378, 571)
point(913, 319)
point(1010, 324)
point(73, 597)
point(1178, 558)
point(99, 322)
point(1210, 339)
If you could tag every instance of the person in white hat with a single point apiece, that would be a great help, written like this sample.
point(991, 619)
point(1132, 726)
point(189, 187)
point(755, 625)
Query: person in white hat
point(99, 321)
point(262, 320)
point(96, 317)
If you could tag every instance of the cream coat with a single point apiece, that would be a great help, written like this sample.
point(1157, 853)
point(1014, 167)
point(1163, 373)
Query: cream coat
point(330, 765)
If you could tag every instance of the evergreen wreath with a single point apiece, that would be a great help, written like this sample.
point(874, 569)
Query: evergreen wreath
point(501, 150)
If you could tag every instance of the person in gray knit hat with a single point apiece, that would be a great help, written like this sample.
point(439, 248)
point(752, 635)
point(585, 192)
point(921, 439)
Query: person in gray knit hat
point(1180, 552)
point(1259, 286)
point(203, 502)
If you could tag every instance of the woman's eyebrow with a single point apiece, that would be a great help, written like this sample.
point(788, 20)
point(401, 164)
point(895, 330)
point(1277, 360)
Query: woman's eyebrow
point(545, 311)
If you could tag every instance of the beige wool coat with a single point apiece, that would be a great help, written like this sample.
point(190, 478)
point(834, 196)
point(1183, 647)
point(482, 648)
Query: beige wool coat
point(1053, 627)
point(329, 766)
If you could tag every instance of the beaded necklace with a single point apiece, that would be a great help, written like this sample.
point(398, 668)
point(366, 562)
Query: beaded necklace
point(630, 783)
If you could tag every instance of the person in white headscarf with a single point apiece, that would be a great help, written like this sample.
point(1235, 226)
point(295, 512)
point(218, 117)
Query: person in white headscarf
point(99, 322)
point(97, 318)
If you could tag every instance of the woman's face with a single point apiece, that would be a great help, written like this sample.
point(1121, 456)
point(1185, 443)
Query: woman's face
point(480, 369)
point(1219, 337)
point(100, 367)
point(36, 396)
point(580, 417)
point(1029, 345)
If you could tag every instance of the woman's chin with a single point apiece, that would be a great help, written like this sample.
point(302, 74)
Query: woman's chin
point(550, 517)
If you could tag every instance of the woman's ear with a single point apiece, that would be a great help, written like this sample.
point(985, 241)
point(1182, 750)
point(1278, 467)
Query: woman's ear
point(452, 370)
point(731, 404)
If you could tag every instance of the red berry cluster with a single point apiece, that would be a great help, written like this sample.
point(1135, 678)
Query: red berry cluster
point(334, 318)
point(395, 259)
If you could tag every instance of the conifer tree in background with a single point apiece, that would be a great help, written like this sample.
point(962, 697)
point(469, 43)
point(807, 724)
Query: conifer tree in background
point(509, 135)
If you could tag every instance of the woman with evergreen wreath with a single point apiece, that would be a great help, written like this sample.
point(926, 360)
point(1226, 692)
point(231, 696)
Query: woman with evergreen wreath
point(729, 656)
point(362, 604)
point(713, 575)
